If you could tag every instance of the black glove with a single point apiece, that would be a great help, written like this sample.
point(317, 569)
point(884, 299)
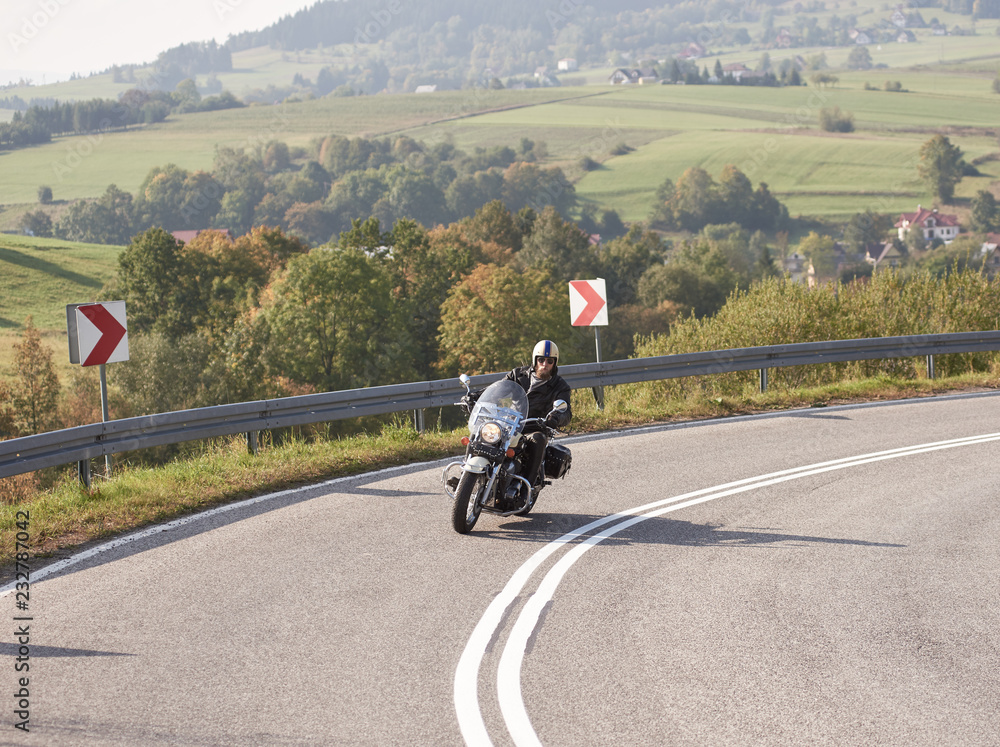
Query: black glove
point(552, 421)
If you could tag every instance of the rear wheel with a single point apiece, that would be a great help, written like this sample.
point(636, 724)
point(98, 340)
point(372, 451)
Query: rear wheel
point(465, 512)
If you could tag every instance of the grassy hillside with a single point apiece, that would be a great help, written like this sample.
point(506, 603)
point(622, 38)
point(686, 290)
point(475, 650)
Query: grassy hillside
point(83, 166)
point(39, 278)
point(673, 127)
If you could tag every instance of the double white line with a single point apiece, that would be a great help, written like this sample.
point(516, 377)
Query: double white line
point(515, 715)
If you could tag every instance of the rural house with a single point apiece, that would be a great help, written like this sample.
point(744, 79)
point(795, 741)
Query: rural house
point(692, 51)
point(990, 255)
point(884, 254)
point(625, 76)
point(935, 225)
point(796, 266)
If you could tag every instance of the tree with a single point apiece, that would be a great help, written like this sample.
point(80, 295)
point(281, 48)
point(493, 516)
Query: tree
point(916, 242)
point(165, 373)
point(45, 195)
point(865, 229)
point(859, 59)
point(941, 166)
point(235, 212)
point(105, 221)
point(493, 222)
point(493, 317)
point(557, 246)
point(161, 197)
point(832, 119)
point(35, 390)
point(309, 220)
point(696, 279)
point(147, 280)
point(331, 322)
point(764, 264)
point(985, 213)
point(276, 157)
point(37, 223)
point(413, 195)
point(661, 214)
point(736, 193)
point(622, 262)
point(695, 202)
point(424, 267)
point(528, 185)
point(222, 279)
point(820, 251)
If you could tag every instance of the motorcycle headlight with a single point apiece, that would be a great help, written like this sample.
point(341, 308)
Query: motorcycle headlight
point(491, 433)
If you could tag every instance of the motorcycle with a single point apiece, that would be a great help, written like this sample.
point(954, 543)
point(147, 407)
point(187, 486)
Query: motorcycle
point(492, 472)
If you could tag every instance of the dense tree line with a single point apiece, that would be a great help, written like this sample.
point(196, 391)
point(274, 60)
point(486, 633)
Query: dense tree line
point(262, 315)
point(40, 122)
point(320, 193)
point(780, 311)
point(697, 200)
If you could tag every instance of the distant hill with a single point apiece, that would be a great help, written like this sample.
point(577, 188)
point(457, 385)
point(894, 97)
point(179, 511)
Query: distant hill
point(360, 21)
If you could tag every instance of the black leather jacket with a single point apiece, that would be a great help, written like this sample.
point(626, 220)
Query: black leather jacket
point(540, 400)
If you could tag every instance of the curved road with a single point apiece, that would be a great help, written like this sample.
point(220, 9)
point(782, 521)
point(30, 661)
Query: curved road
point(824, 576)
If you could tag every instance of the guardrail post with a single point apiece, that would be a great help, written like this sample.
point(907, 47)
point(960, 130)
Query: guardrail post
point(930, 366)
point(253, 443)
point(418, 420)
point(763, 380)
point(83, 471)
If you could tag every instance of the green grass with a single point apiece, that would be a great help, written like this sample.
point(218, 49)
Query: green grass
point(576, 121)
point(83, 166)
point(38, 278)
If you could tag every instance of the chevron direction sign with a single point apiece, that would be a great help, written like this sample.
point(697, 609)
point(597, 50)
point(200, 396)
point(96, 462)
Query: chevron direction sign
point(98, 333)
point(588, 303)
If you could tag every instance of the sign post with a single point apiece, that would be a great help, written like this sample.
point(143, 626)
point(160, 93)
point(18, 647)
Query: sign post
point(588, 307)
point(98, 334)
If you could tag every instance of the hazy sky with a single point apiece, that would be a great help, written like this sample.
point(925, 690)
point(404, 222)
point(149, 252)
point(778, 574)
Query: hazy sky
point(51, 39)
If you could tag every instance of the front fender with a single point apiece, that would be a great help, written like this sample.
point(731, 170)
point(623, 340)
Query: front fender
point(476, 464)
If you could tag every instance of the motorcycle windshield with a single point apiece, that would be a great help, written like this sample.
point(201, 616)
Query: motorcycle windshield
point(503, 401)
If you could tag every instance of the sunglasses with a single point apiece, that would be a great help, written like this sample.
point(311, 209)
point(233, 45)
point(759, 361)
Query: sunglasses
point(543, 359)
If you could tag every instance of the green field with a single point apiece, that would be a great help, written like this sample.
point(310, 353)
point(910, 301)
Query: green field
point(771, 134)
point(83, 166)
point(39, 278)
point(672, 126)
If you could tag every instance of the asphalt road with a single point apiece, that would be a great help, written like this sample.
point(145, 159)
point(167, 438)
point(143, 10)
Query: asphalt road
point(854, 603)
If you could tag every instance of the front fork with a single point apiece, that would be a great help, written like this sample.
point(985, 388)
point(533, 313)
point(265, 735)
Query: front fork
point(480, 465)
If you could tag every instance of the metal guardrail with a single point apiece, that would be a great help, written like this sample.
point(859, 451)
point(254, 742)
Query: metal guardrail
point(85, 442)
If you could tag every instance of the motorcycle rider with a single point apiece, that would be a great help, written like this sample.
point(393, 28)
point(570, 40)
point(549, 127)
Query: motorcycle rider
point(543, 385)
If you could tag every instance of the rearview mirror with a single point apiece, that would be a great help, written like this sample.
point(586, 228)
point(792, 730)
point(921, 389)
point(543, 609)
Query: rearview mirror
point(559, 405)
point(464, 378)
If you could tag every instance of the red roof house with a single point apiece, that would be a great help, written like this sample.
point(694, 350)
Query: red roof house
point(935, 225)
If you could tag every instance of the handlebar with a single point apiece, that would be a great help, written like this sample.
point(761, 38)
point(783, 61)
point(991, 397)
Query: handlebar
point(549, 430)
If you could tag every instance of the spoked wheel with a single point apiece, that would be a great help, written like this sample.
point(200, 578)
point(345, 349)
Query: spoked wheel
point(468, 503)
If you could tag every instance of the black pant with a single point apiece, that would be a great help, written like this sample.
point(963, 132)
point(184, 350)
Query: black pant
point(534, 448)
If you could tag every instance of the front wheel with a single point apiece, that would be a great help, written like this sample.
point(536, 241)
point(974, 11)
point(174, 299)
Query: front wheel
point(467, 506)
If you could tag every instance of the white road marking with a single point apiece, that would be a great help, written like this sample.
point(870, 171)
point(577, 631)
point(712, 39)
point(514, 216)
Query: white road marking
point(515, 715)
point(37, 575)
